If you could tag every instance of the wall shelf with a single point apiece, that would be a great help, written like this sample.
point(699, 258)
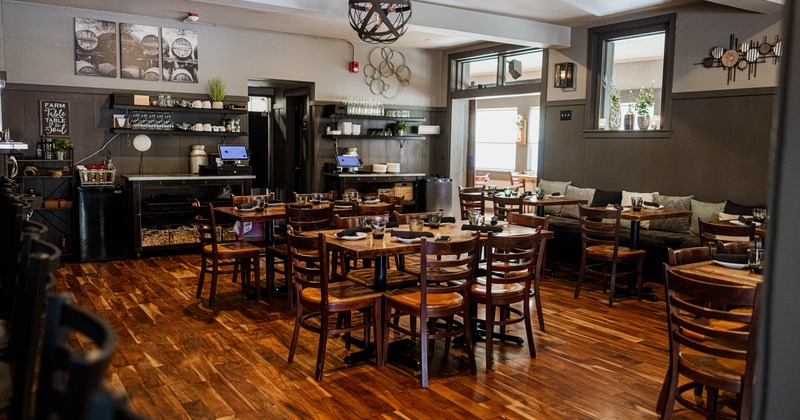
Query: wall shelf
point(372, 137)
point(177, 109)
point(338, 117)
point(178, 132)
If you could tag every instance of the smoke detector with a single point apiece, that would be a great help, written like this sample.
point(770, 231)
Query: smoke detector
point(191, 18)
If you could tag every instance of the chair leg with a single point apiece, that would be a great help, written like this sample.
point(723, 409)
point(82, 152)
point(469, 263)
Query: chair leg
point(581, 274)
point(662, 396)
point(214, 275)
point(423, 348)
point(377, 324)
point(387, 312)
point(538, 300)
point(672, 388)
point(529, 326)
point(203, 268)
point(323, 345)
point(489, 335)
point(296, 333)
point(256, 261)
point(613, 284)
point(473, 367)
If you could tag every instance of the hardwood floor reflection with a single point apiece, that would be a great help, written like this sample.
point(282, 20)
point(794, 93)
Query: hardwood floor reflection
point(176, 358)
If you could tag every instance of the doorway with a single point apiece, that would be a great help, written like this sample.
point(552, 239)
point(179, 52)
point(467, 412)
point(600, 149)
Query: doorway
point(281, 143)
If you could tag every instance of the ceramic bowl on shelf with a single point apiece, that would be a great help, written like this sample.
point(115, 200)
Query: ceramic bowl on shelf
point(379, 168)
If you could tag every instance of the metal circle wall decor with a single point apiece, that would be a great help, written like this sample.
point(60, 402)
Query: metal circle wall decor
point(379, 22)
point(387, 73)
point(744, 56)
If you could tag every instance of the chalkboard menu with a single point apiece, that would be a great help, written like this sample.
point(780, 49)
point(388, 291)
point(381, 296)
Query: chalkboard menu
point(54, 118)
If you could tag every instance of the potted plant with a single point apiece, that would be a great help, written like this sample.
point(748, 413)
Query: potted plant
point(644, 101)
point(216, 91)
point(61, 145)
point(400, 128)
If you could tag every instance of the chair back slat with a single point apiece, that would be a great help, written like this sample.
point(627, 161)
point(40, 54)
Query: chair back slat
point(309, 258)
point(600, 226)
point(447, 267)
point(471, 201)
point(687, 255)
point(503, 206)
point(511, 259)
point(309, 219)
point(374, 209)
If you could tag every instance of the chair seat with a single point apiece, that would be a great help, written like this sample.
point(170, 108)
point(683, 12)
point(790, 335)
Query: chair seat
point(412, 298)
point(607, 251)
point(340, 292)
point(394, 278)
point(239, 249)
point(500, 290)
point(719, 367)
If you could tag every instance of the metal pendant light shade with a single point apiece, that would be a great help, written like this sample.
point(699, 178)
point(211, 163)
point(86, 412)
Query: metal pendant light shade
point(379, 22)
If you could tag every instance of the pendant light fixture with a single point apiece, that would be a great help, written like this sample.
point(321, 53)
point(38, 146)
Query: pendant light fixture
point(379, 22)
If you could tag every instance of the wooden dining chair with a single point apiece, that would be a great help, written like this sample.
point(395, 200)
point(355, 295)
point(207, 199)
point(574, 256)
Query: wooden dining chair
point(600, 234)
point(37, 260)
point(709, 345)
point(397, 200)
point(374, 209)
point(447, 274)
point(318, 300)
point(510, 272)
point(503, 206)
point(297, 220)
point(687, 255)
point(216, 255)
point(719, 233)
point(516, 181)
point(471, 201)
point(70, 377)
point(736, 247)
point(543, 223)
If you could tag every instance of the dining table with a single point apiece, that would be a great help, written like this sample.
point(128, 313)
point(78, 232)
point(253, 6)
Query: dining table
point(379, 250)
point(714, 272)
point(540, 203)
point(761, 228)
point(646, 214)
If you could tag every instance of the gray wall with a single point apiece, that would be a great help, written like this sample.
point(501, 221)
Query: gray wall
point(718, 145)
point(718, 150)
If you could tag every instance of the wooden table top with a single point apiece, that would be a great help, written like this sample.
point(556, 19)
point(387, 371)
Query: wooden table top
point(547, 201)
point(713, 272)
point(276, 212)
point(651, 214)
point(371, 248)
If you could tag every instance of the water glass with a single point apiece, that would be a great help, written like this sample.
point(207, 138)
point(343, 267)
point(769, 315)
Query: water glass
point(367, 222)
point(636, 203)
point(415, 225)
point(474, 217)
point(434, 219)
point(539, 193)
point(759, 215)
point(301, 199)
point(378, 229)
point(315, 198)
point(755, 260)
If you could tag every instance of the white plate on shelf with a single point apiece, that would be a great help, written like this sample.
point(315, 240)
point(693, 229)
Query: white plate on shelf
point(738, 223)
point(736, 266)
point(359, 236)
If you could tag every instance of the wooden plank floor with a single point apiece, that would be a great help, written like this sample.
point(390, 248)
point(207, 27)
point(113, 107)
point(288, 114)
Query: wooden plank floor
point(176, 358)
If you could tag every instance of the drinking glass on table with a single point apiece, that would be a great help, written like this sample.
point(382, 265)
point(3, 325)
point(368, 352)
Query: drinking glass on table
point(474, 217)
point(301, 199)
point(759, 215)
point(539, 193)
point(433, 220)
point(755, 260)
point(415, 225)
point(636, 203)
point(315, 198)
point(378, 229)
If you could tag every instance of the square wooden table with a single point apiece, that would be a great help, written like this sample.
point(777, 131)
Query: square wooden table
point(550, 201)
point(637, 217)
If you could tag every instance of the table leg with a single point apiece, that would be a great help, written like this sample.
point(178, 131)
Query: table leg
point(381, 262)
point(540, 211)
point(631, 290)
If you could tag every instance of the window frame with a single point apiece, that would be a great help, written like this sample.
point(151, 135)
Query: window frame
point(598, 36)
point(502, 86)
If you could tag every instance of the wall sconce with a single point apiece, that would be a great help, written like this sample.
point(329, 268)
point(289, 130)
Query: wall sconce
point(565, 75)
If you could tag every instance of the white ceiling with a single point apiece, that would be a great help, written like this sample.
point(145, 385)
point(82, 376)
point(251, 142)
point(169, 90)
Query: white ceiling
point(435, 24)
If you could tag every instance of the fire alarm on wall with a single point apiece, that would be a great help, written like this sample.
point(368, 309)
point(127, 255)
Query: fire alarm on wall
point(191, 18)
point(354, 67)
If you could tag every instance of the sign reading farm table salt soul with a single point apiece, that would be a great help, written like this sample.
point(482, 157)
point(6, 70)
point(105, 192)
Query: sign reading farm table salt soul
point(54, 118)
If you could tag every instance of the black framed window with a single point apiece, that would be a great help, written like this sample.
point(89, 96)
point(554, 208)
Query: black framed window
point(631, 72)
point(498, 68)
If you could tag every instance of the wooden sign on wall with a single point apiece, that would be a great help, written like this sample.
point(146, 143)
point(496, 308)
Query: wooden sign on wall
point(54, 118)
